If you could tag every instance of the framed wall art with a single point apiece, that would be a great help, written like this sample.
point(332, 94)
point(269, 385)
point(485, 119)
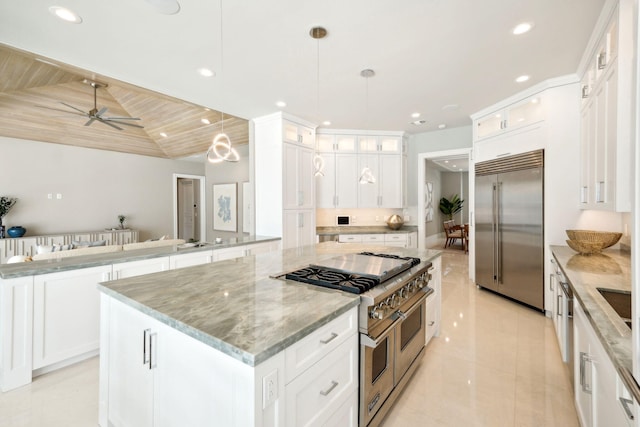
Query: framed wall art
point(225, 207)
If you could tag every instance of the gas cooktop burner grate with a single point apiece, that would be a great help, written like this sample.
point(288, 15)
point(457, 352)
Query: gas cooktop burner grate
point(334, 280)
point(414, 261)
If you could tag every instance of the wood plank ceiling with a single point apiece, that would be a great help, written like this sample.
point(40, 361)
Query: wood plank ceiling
point(32, 92)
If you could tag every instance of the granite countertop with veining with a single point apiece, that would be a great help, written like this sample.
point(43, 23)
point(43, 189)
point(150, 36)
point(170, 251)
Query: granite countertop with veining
point(236, 307)
point(364, 229)
point(32, 268)
point(612, 270)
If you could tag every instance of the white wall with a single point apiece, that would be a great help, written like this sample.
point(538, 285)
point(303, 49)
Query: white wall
point(226, 173)
point(96, 187)
point(427, 142)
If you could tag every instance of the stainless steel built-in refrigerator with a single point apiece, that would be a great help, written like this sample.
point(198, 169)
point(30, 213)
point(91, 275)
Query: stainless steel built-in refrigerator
point(509, 194)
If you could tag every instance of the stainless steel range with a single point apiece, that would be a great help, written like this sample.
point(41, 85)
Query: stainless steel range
point(393, 291)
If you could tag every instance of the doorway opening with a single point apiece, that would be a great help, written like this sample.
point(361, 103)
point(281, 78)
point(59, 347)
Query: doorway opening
point(189, 219)
point(430, 191)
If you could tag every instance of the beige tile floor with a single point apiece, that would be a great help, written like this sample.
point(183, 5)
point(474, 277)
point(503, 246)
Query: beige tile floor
point(496, 363)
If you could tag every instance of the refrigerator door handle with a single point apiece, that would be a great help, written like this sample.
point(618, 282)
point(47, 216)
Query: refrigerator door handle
point(494, 230)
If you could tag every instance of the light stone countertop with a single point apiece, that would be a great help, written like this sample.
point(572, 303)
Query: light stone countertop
point(612, 270)
point(235, 306)
point(365, 229)
point(33, 268)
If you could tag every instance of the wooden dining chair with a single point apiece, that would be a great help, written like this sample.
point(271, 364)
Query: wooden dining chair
point(452, 232)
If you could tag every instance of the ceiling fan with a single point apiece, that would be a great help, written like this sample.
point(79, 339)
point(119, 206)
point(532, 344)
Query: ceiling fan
point(98, 115)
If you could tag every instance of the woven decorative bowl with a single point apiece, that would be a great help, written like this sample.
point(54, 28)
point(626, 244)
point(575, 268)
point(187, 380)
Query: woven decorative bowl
point(607, 238)
point(584, 247)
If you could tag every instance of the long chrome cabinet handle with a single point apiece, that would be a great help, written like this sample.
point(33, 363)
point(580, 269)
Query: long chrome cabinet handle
point(153, 337)
point(559, 305)
point(334, 384)
point(584, 359)
point(145, 346)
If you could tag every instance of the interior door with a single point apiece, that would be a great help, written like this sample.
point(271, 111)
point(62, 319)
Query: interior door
point(186, 209)
point(520, 251)
point(485, 231)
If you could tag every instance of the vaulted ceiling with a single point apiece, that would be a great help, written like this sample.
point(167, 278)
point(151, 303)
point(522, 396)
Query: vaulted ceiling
point(32, 93)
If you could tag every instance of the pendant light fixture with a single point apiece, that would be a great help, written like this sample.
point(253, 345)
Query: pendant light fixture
point(366, 176)
point(221, 149)
point(318, 33)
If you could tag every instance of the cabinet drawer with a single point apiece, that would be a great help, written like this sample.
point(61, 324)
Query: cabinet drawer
point(373, 238)
point(303, 354)
point(316, 395)
point(350, 238)
point(400, 237)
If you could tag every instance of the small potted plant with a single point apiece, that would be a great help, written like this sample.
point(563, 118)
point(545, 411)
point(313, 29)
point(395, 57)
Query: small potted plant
point(121, 219)
point(6, 203)
point(451, 207)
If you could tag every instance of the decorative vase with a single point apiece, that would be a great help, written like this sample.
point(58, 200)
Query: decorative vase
point(17, 231)
point(395, 222)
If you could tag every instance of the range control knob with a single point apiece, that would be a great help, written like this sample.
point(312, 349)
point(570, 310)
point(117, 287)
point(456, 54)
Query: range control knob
point(402, 293)
point(376, 313)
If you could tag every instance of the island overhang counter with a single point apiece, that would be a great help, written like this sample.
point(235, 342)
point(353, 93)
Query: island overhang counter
point(247, 342)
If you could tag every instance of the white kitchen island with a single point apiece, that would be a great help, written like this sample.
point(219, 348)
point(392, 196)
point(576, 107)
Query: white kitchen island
point(226, 344)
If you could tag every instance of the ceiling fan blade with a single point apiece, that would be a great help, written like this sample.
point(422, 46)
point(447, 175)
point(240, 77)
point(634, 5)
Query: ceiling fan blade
point(109, 124)
point(91, 120)
point(121, 118)
point(102, 111)
point(71, 106)
point(121, 123)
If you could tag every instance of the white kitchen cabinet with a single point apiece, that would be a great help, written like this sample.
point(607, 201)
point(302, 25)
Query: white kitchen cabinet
point(330, 143)
point(596, 381)
point(299, 228)
point(283, 174)
point(518, 115)
point(154, 375)
point(412, 240)
point(433, 314)
point(431, 319)
point(313, 397)
point(350, 238)
point(190, 259)
point(396, 239)
point(16, 326)
point(373, 238)
point(338, 188)
point(66, 315)
point(263, 248)
point(298, 133)
point(386, 192)
point(298, 182)
point(136, 268)
point(606, 119)
point(229, 253)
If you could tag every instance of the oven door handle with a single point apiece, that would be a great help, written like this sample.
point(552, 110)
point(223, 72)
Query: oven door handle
point(367, 341)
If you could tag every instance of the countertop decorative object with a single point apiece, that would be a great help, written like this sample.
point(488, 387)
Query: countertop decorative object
point(610, 269)
point(589, 242)
point(236, 307)
point(395, 222)
point(6, 203)
point(16, 231)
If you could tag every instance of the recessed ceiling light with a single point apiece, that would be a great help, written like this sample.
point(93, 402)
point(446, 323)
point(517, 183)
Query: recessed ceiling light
point(205, 121)
point(326, 123)
point(415, 115)
point(522, 28)
point(446, 161)
point(442, 126)
point(65, 14)
point(162, 134)
point(522, 79)
point(281, 104)
point(418, 122)
point(534, 101)
point(205, 72)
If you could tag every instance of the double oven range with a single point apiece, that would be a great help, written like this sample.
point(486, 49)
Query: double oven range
point(393, 292)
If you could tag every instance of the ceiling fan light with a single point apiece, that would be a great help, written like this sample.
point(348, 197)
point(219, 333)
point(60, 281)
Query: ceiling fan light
point(221, 150)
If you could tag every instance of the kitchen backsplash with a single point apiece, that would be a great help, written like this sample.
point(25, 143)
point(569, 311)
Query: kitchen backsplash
point(359, 217)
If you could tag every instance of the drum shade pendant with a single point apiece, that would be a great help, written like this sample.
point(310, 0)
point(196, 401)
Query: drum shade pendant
point(221, 149)
point(318, 33)
point(366, 176)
